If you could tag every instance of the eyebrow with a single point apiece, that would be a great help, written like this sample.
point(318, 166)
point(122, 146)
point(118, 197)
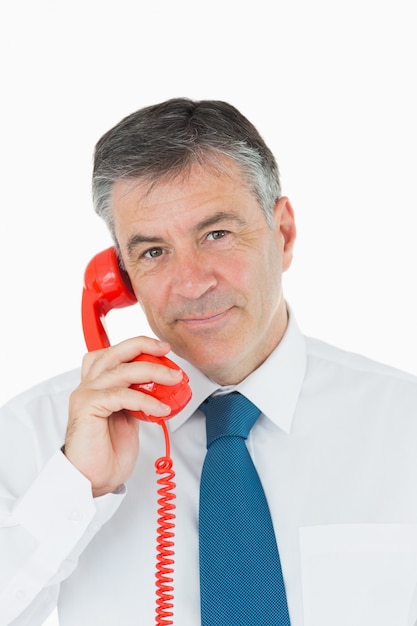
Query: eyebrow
point(137, 240)
point(208, 222)
point(219, 216)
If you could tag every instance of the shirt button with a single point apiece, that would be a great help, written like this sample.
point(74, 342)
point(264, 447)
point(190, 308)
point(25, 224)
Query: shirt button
point(75, 516)
point(94, 528)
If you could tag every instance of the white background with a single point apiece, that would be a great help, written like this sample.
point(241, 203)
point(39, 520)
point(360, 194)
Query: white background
point(330, 85)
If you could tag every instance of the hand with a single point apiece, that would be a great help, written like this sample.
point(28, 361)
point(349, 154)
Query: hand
point(102, 438)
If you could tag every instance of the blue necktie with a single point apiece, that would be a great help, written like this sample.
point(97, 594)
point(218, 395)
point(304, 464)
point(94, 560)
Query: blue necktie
point(241, 580)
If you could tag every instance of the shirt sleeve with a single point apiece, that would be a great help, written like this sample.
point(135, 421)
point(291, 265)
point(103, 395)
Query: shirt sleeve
point(47, 513)
point(43, 536)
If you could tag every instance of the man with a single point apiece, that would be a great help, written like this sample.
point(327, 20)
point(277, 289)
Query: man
point(191, 195)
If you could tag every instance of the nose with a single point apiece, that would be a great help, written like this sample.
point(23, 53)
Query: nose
point(192, 276)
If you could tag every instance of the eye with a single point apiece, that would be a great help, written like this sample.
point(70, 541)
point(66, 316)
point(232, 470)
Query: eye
point(152, 253)
point(217, 234)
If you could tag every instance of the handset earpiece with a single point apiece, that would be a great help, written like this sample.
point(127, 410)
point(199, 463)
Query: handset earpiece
point(107, 286)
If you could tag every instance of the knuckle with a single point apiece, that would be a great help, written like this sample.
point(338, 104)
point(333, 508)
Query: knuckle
point(89, 360)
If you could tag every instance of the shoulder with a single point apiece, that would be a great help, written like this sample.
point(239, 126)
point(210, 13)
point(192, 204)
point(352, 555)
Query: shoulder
point(44, 395)
point(33, 425)
point(327, 354)
point(358, 379)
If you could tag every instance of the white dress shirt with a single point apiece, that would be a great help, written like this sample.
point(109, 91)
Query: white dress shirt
point(336, 450)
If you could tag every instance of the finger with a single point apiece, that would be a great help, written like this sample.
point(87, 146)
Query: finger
point(134, 373)
point(99, 360)
point(135, 400)
point(101, 404)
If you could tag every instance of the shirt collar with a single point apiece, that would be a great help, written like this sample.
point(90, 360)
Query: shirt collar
point(273, 387)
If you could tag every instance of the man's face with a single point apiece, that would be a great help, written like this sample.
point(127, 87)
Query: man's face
point(206, 267)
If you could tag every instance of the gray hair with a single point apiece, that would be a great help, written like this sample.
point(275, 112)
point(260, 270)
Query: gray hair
point(164, 140)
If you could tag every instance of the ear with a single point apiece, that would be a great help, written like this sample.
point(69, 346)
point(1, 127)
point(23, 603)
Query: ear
point(285, 229)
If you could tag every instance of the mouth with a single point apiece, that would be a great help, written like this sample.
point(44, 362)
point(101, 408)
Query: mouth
point(195, 321)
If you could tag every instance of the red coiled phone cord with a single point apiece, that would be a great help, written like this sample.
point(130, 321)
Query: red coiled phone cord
point(165, 534)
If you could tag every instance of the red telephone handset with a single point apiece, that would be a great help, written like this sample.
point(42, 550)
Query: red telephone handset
point(107, 286)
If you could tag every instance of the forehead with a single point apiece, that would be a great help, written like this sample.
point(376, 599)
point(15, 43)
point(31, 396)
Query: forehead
point(199, 183)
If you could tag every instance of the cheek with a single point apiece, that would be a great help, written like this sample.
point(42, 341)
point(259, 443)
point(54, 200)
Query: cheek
point(269, 278)
point(152, 300)
point(253, 275)
point(155, 319)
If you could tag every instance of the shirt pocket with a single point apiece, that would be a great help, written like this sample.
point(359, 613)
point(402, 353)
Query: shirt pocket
point(359, 574)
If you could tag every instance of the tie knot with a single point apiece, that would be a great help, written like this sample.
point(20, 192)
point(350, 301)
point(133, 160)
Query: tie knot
point(229, 415)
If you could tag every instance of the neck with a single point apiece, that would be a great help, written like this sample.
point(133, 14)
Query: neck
point(234, 371)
